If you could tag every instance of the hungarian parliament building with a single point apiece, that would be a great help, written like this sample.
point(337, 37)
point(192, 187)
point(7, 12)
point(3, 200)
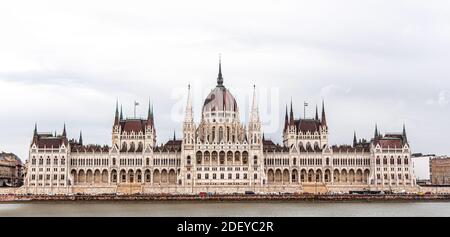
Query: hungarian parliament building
point(220, 154)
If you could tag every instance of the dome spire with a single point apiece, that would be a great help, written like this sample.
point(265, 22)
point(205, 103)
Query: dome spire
point(219, 77)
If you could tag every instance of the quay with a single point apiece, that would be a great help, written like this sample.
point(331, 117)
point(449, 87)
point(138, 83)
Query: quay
point(227, 197)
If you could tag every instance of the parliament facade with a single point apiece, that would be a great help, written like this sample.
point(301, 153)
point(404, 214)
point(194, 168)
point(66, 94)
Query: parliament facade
point(220, 154)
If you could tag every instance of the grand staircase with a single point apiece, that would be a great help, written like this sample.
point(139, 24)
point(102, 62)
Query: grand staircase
point(315, 188)
point(129, 188)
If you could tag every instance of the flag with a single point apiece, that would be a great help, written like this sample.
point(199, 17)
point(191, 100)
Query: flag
point(306, 104)
point(136, 103)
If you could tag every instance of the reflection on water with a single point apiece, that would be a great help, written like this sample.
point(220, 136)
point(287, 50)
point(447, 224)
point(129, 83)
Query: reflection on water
point(193, 209)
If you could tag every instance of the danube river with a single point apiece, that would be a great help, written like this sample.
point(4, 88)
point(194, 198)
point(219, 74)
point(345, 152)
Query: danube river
point(225, 209)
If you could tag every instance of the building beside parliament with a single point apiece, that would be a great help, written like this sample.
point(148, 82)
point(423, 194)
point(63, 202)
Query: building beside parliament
point(10, 170)
point(219, 154)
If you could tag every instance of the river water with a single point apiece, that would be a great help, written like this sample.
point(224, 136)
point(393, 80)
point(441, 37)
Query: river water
point(225, 209)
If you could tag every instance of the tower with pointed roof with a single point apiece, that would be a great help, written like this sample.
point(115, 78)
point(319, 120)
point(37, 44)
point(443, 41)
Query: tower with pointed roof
point(254, 125)
point(116, 126)
point(323, 127)
point(64, 133)
point(188, 123)
point(80, 140)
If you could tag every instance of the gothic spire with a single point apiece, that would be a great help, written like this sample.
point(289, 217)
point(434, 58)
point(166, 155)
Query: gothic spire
point(286, 119)
point(355, 141)
point(404, 134)
point(149, 109)
point(376, 131)
point(64, 134)
point(80, 140)
point(35, 129)
point(254, 116)
point(219, 77)
point(152, 116)
point(189, 113)
point(317, 113)
point(174, 136)
point(291, 115)
point(324, 119)
point(116, 116)
point(121, 113)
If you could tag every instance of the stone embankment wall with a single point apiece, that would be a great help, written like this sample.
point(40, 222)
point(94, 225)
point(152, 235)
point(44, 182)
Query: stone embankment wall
point(223, 198)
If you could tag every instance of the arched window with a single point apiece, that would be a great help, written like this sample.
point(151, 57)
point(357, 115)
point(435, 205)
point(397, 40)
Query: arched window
point(199, 158)
point(213, 136)
point(255, 160)
point(244, 157)
point(222, 157)
point(124, 147)
point(220, 134)
point(188, 160)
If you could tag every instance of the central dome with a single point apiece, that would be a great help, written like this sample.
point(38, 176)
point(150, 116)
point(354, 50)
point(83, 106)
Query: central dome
point(220, 101)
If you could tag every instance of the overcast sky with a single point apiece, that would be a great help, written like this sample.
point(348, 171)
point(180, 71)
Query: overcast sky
point(384, 62)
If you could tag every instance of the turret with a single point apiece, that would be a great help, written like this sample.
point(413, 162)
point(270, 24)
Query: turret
point(188, 124)
point(317, 113)
point(291, 116)
point(64, 133)
point(80, 140)
point(324, 119)
point(286, 120)
point(121, 113)
point(376, 134)
point(254, 126)
point(116, 116)
point(405, 139)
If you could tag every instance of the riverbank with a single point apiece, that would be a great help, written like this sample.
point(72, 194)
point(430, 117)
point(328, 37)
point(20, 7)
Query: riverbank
point(13, 198)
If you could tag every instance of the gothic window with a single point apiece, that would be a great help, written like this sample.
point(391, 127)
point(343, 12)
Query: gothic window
point(222, 157)
point(255, 160)
point(237, 156)
point(220, 134)
point(132, 147)
point(229, 157)
point(244, 157)
point(188, 160)
point(199, 158)
point(214, 157)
